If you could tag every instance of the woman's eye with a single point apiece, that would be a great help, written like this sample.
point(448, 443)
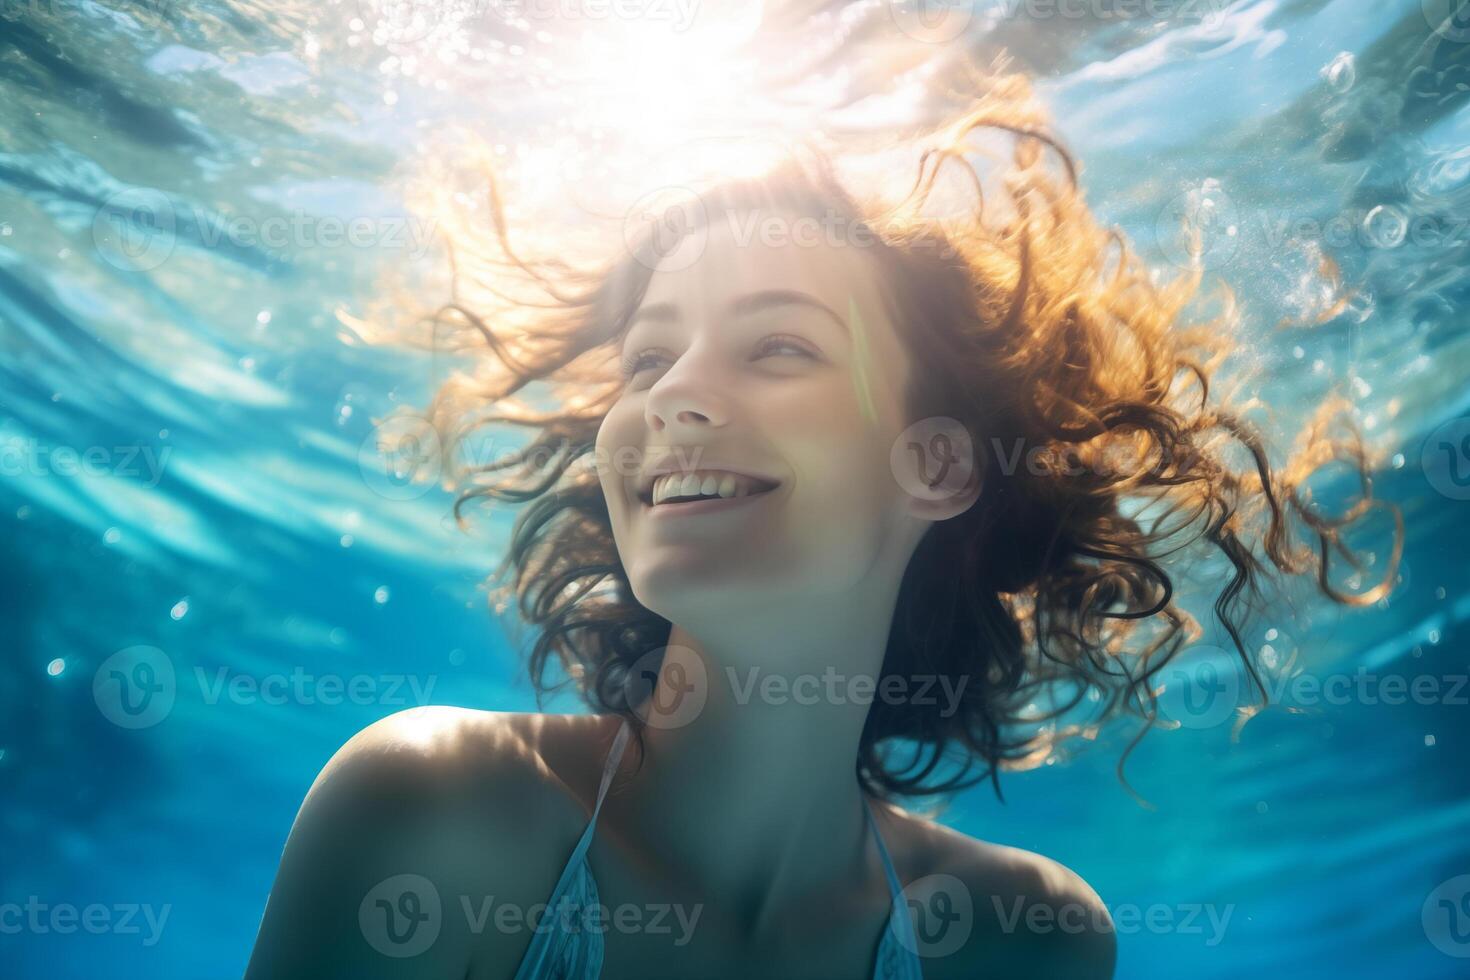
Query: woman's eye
point(779, 345)
point(636, 363)
point(633, 364)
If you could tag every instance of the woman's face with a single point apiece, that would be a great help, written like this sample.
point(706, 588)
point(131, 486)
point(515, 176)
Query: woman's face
point(774, 360)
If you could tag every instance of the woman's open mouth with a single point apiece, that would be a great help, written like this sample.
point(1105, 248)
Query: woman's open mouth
point(700, 491)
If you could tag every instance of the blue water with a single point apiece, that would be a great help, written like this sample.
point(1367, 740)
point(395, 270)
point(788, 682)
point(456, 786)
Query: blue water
point(215, 507)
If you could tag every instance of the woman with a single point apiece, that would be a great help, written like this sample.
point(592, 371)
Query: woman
point(817, 523)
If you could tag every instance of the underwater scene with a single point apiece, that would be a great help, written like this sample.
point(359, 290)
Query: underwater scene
point(213, 576)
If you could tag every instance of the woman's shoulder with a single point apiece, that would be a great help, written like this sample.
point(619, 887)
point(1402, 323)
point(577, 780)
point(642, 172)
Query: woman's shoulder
point(483, 776)
point(453, 805)
point(1022, 914)
point(492, 763)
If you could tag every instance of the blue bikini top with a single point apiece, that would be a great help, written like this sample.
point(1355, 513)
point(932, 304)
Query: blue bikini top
point(561, 950)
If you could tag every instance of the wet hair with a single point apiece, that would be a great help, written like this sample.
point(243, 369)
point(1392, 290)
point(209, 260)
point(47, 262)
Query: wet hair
point(1030, 325)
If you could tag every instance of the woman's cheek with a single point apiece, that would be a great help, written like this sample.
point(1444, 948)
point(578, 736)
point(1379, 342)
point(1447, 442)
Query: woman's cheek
point(617, 455)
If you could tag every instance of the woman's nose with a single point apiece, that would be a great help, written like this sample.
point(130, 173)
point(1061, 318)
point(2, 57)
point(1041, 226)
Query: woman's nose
point(684, 409)
point(687, 396)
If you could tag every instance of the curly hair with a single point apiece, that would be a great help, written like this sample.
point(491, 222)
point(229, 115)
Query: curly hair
point(1030, 325)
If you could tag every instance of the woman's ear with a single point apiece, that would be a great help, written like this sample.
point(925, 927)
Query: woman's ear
point(936, 465)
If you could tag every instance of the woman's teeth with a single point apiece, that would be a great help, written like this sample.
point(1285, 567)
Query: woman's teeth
point(704, 483)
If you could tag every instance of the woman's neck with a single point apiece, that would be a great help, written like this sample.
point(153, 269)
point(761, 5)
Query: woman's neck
point(748, 790)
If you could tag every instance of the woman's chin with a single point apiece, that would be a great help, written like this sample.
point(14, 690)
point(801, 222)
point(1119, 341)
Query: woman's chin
point(691, 589)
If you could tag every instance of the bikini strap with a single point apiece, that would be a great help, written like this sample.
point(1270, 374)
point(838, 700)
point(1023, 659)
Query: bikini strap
point(898, 919)
point(614, 756)
point(575, 882)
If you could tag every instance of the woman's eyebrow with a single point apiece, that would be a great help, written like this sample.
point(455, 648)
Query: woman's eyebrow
point(771, 298)
point(746, 305)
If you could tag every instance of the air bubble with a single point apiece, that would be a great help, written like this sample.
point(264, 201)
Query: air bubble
point(1341, 72)
point(1386, 226)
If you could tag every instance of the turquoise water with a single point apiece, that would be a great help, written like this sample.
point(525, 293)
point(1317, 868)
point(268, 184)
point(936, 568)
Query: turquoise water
point(188, 466)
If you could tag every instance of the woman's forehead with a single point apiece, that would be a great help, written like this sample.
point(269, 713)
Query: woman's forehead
point(758, 252)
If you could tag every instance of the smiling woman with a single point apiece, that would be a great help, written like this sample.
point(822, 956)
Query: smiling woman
point(790, 558)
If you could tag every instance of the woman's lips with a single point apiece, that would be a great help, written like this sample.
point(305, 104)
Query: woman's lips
point(707, 506)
